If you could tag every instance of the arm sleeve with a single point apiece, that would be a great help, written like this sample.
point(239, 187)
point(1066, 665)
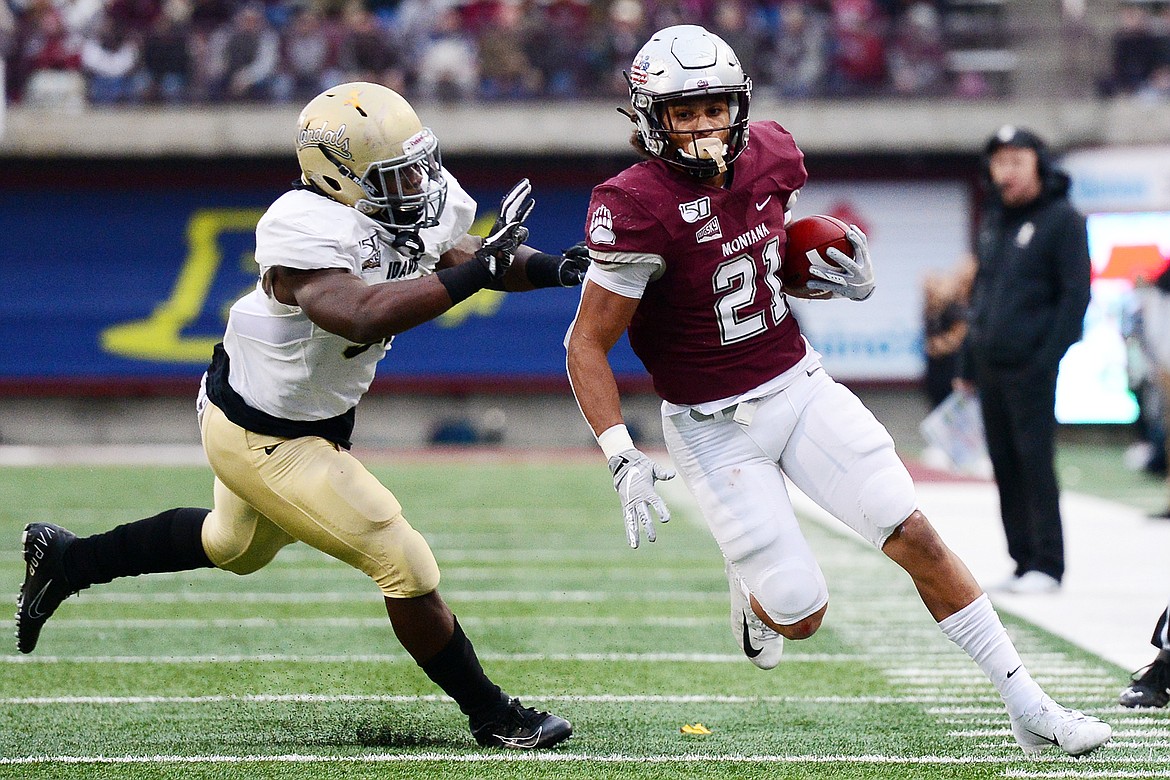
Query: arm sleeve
point(626, 275)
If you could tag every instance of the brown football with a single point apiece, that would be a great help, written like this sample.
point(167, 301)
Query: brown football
point(810, 235)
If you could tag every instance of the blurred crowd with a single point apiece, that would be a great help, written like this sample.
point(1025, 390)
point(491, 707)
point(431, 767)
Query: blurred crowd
point(1140, 64)
point(185, 51)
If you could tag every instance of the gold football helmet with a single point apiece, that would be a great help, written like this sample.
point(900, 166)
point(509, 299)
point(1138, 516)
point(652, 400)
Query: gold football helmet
point(363, 145)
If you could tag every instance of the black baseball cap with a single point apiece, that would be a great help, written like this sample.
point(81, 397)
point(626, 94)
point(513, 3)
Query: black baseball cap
point(1010, 135)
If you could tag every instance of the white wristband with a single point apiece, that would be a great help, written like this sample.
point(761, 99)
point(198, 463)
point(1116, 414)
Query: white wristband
point(615, 439)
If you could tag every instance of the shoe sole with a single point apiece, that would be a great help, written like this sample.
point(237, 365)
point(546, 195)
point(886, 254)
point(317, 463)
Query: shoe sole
point(543, 740)
point(1144, 703)
point(1047, 745)
point(20, 593)
point(34, 624)
point(20, 596)
point(1033, 750)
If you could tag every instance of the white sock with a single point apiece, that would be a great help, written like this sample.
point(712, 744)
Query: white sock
point(977, 629)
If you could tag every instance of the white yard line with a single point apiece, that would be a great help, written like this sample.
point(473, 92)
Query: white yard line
point(605, 698)
point(550, 757)
point(309, 658)
point(372, 595)
point(200, 624)
point(1086, 774)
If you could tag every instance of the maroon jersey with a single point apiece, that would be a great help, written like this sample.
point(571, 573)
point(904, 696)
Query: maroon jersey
point(715, 323)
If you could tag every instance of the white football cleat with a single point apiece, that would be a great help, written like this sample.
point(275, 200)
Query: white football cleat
point(759, 643)
point(1006, 585)
point(1051, 725)
point(1032, 583)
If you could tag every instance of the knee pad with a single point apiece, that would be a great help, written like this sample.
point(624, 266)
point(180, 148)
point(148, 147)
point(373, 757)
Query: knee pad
point(887, 498)
point(791, 591)
point(407, 567)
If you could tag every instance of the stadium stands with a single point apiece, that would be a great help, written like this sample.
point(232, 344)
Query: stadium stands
point(212, 51)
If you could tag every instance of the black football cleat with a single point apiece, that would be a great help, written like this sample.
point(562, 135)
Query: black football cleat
point(517, 727)
point(1150, 687)
point(45, 585)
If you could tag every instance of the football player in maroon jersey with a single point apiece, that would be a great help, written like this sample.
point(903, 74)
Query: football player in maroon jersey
point(686, 250)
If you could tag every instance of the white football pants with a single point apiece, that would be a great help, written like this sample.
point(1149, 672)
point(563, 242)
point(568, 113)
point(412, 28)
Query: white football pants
point(828, 444)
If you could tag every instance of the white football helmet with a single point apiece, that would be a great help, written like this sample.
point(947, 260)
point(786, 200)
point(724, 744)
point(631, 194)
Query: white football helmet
point(684, 61)
point(362, 145)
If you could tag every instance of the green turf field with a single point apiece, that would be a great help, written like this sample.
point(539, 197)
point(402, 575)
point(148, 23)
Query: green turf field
point(1100, 470)
point(294, 671)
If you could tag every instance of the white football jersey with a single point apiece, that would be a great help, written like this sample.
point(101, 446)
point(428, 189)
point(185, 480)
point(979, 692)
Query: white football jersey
point(281, 362)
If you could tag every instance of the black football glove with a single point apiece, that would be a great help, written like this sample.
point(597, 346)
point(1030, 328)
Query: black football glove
point(508, 232)
point(564, 270)
point(574, 264)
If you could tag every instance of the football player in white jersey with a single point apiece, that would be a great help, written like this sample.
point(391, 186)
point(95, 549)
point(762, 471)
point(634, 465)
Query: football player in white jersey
point(687, 248)
point(371, 242)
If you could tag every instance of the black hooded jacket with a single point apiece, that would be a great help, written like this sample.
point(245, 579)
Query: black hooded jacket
point(1031, 289)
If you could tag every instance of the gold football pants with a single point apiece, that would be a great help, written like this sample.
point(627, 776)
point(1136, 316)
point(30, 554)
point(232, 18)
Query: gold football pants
point(271, 491)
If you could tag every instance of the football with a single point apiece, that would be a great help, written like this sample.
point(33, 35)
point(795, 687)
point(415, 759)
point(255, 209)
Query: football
point(806, 236)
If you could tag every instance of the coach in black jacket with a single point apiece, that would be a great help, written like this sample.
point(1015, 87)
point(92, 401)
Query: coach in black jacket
point(1027, 308)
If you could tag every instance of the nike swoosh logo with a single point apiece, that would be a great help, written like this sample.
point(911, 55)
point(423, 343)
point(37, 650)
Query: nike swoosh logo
point(748, 650)
point(1013, 671)
point(764, 202)
point(34, 611)
point(813, 371)
point(525, 742)
point(1044, 737)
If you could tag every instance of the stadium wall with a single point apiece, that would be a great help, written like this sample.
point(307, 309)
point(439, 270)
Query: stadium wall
point(864, 125)
point(144, 219)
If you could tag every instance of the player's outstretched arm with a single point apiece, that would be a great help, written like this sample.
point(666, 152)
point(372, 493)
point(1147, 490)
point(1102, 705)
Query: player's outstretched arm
point(341, 303)
point(526, 268)
point(531, 269)
point(540, 269)
point(601, 319)
point(496, 253)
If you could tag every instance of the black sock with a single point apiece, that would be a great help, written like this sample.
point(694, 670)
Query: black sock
point(169, 541)
point(456, 670)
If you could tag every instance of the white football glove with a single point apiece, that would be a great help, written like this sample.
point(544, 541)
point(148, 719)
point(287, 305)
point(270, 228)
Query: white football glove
point(854, 279)
point(634, 475)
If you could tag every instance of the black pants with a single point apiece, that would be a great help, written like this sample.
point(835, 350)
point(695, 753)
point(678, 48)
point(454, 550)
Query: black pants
point(1161, 637)
point(940, 375)
point(1020, 421)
